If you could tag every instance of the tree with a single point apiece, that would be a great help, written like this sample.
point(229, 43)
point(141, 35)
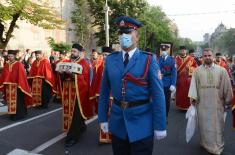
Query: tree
point(62, 46)
point(133, 8)
point(226, 42)
point(13, 10)
point(156, 28)
point(82, 19)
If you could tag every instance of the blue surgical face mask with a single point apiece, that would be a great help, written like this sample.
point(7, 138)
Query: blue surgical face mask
point(164, 53)
point(125, 40)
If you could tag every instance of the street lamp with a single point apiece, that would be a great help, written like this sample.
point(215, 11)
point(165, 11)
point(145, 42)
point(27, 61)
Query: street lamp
point(106, 10)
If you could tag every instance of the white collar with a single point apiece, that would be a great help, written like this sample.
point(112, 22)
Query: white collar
point(131, 53)
point(165, 57)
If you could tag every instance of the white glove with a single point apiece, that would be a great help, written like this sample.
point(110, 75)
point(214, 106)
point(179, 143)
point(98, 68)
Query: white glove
point(172, 88)
point(104, 127)
point(159, 134)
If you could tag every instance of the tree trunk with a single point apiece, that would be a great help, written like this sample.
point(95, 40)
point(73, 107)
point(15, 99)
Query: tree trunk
point(4, 41)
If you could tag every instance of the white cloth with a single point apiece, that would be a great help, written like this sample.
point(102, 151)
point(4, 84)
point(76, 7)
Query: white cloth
point(191, 124)
point(165, 57)
point(172, 88)
point(131, 53)
point(160, 134)
point(104, 127)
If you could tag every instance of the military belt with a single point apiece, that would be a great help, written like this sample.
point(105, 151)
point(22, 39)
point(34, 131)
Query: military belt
point(124, 105)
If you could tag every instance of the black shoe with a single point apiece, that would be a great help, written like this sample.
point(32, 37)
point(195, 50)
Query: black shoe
point(70, 143)
point(42, 107)
point(16, 118)
point(83, 128)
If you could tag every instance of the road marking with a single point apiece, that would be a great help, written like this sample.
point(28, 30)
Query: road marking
point(21, 152)
point(28, 120)
point(57, 138)
point(3, 109)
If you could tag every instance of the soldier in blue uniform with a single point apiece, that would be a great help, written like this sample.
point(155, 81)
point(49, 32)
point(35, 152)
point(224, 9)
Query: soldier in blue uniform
point(168, 69)
point(138, 111)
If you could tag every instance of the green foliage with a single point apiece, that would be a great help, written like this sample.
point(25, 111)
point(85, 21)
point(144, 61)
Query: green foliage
point(226, 42)
point(183, 42)
point(62, 46)
point(187, 42)
point(133, 8)
point(156, 28)
point(13, 10)
point(81, 18)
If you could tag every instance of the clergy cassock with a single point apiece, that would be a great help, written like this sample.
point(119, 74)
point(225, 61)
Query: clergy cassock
point(233, 107)
point(42, 81)
point(75, 100)
point(212, 90)
point(185, 68)
point(14, 84)
point(95, 92)
point(97, 69)
point(58, 82)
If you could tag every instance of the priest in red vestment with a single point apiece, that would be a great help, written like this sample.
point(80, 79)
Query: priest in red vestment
point(75, 97)
point(97, 69)
point(95, 89)
point(185, 67)
point(58, 82)
point(42, 81)
point(221, 62)
point(233, 107)
point(14, 85)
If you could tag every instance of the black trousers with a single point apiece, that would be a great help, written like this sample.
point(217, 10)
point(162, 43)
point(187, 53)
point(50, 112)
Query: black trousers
point(76, 125)
point(124, 147)
point(21, 109)
point(46, 93)
point(167, 93)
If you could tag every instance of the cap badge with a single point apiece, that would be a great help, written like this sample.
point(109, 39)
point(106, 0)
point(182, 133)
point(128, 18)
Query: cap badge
point(122, 23)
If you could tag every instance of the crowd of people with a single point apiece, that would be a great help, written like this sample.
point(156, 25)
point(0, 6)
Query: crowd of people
point(128, 89)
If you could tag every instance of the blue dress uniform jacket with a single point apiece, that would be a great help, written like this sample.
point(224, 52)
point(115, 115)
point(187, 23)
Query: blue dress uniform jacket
point(169, 71)
point(134, 123)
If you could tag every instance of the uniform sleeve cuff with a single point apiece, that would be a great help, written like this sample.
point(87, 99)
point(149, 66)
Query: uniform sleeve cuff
point(160, 133)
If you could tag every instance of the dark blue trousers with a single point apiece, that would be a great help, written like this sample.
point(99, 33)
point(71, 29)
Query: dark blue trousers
point(124, 147)
point(167, 93)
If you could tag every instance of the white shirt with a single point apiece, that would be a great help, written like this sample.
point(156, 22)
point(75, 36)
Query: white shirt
point(165, 57)
point(131, 53)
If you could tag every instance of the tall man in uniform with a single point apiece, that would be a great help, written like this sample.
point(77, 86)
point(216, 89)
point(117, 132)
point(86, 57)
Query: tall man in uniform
point(75, 97)
point(14, 84)
point(138, 110)
point(41, 79)
point(169, 74)
point(210, 91)
point(185, 67)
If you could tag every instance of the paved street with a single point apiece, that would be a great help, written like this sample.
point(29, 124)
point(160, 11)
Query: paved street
point(41, 133)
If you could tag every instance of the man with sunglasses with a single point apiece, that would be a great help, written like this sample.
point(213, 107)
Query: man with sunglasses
point(138, 110)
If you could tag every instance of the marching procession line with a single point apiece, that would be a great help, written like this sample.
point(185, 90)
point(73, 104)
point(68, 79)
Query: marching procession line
point(56, 139)
point(28, 120)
